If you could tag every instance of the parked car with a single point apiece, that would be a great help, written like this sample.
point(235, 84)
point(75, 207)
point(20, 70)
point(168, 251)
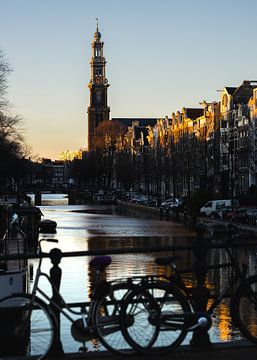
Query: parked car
point(213, 206)
point(172, 203)
point(239, 216)
point(251, 216)
point(144, 200)
point(224, 212)
point(151, 202)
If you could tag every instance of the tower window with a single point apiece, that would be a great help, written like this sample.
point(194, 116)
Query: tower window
point(97, 52)
point(98, 72)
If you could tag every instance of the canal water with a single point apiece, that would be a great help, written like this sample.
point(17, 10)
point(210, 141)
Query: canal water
point(91, 227)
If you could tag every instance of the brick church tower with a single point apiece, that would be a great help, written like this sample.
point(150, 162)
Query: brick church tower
point(98, 109)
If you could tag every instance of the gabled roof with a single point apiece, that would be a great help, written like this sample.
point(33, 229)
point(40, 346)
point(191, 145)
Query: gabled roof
point(230, 89)
point(142, 122)
point(243, 93)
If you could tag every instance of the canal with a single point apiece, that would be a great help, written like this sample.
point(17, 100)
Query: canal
point(91, 227)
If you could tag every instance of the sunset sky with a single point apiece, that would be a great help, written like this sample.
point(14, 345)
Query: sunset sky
point(161, 55)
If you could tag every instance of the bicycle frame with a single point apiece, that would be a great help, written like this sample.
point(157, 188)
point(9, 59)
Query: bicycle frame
point(63, 305)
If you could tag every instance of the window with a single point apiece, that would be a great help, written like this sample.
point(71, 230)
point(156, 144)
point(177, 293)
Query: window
point(224, 124)
point(220, 205)
point(225, 100)
point(209, 204)
point(97, 52)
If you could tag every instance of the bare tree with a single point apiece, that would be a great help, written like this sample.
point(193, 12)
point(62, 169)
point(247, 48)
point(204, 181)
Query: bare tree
point(13, 149)
point(109, 138)
point(4, 72)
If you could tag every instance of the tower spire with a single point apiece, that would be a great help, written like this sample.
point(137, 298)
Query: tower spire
point(97, 34)
point(98, 110)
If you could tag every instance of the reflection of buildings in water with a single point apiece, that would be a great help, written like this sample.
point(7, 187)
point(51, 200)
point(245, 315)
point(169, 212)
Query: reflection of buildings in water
point(217, 281)
point(127, 265)
point(96, 344)
point(221, 277)
point(224, 324)
point(247, 255)
point(213, 259)
point(91, 278)
point(122, 242)
point(140, 264)
point(248, 313)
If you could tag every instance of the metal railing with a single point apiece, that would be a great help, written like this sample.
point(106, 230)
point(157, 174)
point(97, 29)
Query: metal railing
point(199, 247)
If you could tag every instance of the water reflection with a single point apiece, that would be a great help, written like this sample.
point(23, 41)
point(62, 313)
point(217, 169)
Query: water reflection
point(97, 228)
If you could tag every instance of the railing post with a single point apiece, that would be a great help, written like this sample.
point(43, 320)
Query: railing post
point(200, 293)
point(55, 275)
point(185, 214)
point(177, 213)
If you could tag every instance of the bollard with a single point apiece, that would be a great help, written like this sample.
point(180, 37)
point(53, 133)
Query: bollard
point(55, 275)
point(72, 197)
point(200, 293)
point(167, 214)
point(161, 213)
point(185, 215)
point(177, 213)
point(38, 198)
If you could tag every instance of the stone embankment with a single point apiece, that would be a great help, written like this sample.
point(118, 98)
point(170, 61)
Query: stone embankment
point(214, 226)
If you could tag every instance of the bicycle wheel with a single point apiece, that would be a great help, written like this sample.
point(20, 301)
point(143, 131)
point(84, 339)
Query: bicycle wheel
point(244, 309)
point(152, 318)
point(107, 319)
point(28, 328)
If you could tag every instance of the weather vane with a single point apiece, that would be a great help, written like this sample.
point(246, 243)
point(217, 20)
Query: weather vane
point(97, 23)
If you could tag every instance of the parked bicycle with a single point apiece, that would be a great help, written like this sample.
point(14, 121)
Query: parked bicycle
point(163, 312)
point(30, 320)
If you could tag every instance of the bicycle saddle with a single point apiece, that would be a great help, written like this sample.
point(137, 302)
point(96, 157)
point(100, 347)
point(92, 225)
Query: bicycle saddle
point(100, 262)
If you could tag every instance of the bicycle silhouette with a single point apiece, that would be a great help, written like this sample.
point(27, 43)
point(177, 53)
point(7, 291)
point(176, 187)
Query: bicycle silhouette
point(30, 322)
point(167, 310)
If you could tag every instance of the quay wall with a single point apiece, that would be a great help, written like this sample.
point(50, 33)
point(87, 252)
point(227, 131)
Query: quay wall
point(214, 226)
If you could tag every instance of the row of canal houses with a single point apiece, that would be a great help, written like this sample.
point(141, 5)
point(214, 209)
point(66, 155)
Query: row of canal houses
point(211, 148)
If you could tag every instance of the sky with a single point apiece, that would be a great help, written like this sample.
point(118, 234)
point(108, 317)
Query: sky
point(161, 55)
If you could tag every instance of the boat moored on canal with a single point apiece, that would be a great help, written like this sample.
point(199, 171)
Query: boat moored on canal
point(13, 279)
point(13, 273)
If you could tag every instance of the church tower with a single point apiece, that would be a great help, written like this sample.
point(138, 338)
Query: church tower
point(98, 109)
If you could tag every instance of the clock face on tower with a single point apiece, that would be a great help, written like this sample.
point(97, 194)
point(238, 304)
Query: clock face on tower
point(98, 79)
